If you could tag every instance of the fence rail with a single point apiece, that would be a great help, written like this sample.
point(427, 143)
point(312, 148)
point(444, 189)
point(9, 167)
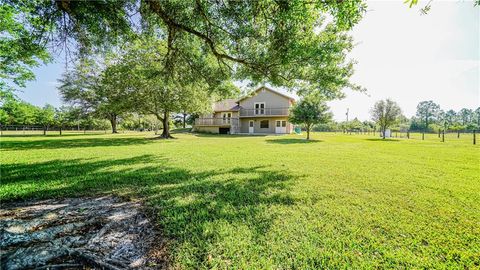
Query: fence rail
point(216, 122)
point(264, 112)
point(6, 130)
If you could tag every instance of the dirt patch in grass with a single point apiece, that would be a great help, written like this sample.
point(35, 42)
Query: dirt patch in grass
point(94, 232)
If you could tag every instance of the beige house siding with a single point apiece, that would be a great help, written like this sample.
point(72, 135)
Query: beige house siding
point(271, 99)
point(256, 124)
point(219, 114)
point(276, 106)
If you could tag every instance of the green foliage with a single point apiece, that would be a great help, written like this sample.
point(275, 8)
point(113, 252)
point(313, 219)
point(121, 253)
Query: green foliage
point(308, 112)
point(428, 112)
point(20, 50)
point(288, 43)
point(465, 119)
point(334, 202)
point(97, 88)
point(17, 112)
point(386, 113)
point(46, 116)
point(190, 84)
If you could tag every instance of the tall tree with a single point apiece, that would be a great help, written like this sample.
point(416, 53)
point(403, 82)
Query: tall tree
point(465, 116)
point(427, 111)
point(450, 118)
point(189, 86)
point(98, 89)
point(46, 117)
point(288, 43)
point(385, 113)
point(309, 111)
point(477, 117)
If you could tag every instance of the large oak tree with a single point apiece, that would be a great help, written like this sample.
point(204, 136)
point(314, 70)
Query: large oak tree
point(288, 43)
point(181, 79)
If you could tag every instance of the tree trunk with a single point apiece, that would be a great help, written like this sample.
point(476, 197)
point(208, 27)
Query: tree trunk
point(383, 133)
point(60, 130)
point(113, 122)
point(308, 132)
point(184, 116)
point(166, 126)
point(44, 130)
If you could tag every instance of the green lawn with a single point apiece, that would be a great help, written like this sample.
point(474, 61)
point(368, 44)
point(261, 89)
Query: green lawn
point(340, 201)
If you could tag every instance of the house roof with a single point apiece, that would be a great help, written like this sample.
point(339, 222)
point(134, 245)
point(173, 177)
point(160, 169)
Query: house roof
point(229, 105)
point(226, 105)
point(269, 89)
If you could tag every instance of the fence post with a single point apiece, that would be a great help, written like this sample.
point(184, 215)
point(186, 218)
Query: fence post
point(443, 135)
point(474, 137)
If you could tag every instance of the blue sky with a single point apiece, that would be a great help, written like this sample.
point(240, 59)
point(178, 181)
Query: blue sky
point(401, 55)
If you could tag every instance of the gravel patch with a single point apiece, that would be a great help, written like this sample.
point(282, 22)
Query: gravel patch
point(78, 233)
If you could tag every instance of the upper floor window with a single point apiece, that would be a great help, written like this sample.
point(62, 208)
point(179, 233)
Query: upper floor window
point(226, 117)
point(259, 107)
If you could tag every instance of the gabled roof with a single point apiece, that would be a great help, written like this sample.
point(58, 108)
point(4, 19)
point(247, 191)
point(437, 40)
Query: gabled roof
point(269, 89)
point(231, 105)
point(226, 105)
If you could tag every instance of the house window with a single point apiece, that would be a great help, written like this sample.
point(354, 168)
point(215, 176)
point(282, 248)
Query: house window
point(264, 124)
point(226, 117)
point(259, 107)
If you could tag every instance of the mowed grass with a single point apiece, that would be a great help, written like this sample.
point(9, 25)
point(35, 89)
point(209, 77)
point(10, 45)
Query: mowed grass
point(339, 201)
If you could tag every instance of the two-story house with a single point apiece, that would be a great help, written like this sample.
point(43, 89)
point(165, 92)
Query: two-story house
point(263, 112)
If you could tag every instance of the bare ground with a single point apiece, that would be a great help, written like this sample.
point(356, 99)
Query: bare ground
point(78, 233)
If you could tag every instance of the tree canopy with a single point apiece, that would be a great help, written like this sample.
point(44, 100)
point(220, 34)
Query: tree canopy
point(385, 113)
point(428, 112)
point(288, 43)
point(308, 112)
point(191, 82)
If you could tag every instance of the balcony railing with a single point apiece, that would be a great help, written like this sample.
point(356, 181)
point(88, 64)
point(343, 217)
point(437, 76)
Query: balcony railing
point(216, 122)
point(264, 112)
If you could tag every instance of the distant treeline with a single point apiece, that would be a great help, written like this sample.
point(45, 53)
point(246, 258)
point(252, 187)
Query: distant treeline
point(429, 118)
point(16, 112)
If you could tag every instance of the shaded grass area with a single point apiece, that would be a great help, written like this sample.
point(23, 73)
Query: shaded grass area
point(291, 141)
point(342, 201)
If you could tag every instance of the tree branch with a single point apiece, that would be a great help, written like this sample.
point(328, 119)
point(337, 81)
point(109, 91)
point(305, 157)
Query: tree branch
point(157, 9)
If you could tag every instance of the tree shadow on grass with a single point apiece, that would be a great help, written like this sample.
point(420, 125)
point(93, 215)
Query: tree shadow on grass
point(186, 202)
point(291, 141)
point(383, 140)
point(70, 143)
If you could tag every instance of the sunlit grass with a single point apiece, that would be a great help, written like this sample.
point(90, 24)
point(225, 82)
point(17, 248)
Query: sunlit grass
point(340, 201)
